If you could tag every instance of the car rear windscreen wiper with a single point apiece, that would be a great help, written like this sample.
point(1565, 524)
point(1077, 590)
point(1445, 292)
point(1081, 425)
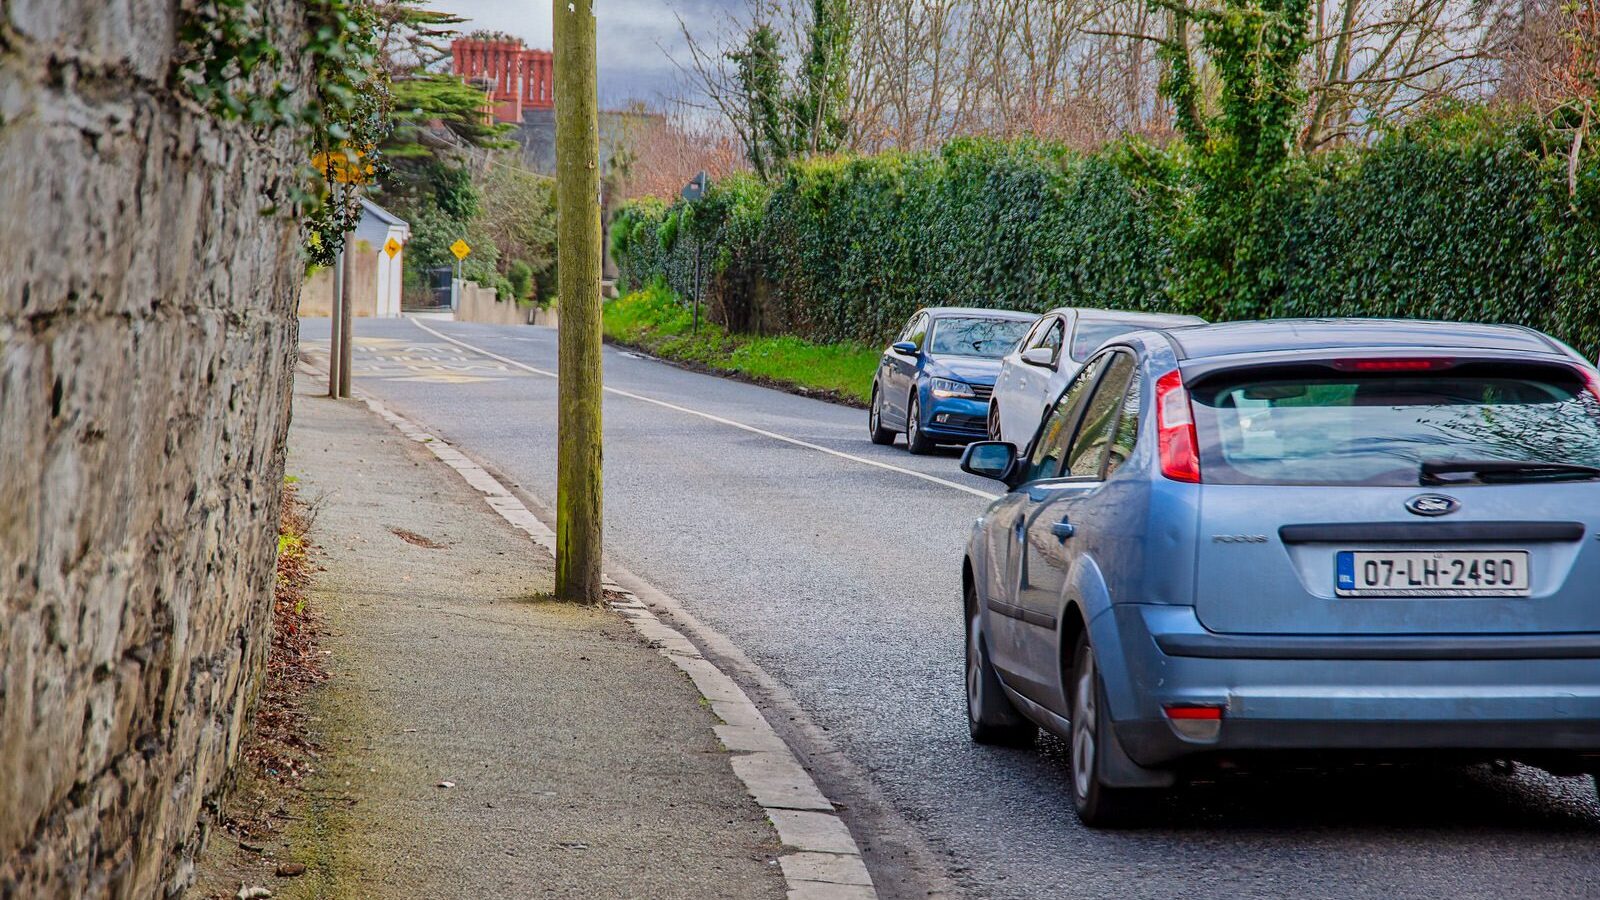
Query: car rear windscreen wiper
point(1498, 471)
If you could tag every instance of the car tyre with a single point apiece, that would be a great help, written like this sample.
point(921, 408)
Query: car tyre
point(994, 422)
point(916, 441)
point(880, 435)
point(991, 717)
point(1098, 805)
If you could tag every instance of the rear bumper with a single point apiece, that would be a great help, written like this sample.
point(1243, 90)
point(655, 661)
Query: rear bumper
point(1153, 743)
point(1488, 647)
point(1500, 695)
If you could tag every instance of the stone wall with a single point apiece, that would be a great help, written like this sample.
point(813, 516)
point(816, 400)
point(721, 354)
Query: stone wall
point(147, 337)
point(479, 304)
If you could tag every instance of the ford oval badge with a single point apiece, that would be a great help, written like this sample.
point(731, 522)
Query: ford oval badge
point(1433, 505)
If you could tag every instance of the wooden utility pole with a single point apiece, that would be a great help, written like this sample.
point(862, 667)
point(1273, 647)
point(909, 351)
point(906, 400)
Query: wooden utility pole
point(578, 257)
point(346, 314)
point(335, 322)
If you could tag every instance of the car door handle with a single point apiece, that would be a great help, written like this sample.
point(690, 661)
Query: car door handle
point(1063, 529)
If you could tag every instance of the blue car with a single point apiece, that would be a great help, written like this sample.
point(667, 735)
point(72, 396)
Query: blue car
point(934, 381)
point(1236, 545)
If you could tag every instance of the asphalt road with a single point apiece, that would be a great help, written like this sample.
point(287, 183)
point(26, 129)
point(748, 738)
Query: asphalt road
point(841, 579)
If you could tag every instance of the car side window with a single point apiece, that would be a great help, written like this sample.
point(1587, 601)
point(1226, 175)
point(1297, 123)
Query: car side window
point(1051, 339)
point(1033, 332)
point(1051, 445)
point(1036, 334)
point(1127, 428)
point(918, 331)
point(905, 333)
point(1087, 454)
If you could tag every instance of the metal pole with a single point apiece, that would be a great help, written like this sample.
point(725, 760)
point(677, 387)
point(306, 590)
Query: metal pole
point(697, 252)
point(578, 483)
point(335, 324)
point(346, 314)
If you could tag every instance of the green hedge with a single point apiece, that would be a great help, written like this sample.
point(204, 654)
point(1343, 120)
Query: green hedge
point(1463, 216)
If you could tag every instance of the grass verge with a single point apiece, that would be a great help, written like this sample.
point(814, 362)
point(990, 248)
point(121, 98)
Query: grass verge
point(654, 320)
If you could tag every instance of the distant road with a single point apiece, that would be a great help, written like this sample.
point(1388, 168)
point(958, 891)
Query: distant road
point(835, 566)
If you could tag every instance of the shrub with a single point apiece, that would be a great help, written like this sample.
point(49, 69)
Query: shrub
point(520, 277)
point(1464, 215)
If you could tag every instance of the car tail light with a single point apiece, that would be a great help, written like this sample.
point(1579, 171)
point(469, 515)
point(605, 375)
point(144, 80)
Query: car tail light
point(1180, 449)
point(1420, 364)
point(1195, 721)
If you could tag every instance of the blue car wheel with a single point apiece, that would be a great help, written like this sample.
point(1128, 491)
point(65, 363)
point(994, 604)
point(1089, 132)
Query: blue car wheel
point(879, 434)
point(916, 441)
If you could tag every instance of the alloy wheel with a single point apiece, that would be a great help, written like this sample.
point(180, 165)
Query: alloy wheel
point(1084, 746)
point(974, 668)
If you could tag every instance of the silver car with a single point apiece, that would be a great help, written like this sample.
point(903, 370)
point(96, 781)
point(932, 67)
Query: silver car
point(1042, 364)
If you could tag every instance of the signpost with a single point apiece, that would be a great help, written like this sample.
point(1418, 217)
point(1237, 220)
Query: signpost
point(391, 247)
point(694, 190)
point(461, 249)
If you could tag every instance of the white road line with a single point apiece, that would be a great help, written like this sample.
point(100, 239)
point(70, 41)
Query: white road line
point(729, 422)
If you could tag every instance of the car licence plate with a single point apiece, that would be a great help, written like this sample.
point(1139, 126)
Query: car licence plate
point(1427, 573)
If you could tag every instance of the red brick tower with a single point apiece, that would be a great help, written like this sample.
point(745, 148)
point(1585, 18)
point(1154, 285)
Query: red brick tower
point(518, 78)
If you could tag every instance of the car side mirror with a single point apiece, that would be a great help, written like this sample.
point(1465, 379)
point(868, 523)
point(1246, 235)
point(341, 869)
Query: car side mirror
point(1043, 357)
point(989, 459)
point(904, 348)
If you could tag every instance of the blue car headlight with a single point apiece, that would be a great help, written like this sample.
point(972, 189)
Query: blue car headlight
point(944, 387)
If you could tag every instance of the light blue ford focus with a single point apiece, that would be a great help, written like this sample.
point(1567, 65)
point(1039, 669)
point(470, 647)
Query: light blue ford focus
point(1248, 543)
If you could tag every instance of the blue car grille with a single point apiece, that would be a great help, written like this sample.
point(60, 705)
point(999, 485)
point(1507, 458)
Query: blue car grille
point(958, 422)
point(982, 391)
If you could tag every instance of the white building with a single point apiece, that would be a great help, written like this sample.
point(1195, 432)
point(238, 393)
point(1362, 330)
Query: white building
point(373, 234)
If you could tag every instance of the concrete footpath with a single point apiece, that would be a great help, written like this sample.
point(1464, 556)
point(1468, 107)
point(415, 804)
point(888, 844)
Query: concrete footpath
point(480, 741)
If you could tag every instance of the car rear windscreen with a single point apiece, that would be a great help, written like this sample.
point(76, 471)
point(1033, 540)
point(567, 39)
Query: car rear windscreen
point(977, 336)
point(1318, 426)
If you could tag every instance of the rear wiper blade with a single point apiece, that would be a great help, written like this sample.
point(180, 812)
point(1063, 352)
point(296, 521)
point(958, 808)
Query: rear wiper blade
point(1502, 470)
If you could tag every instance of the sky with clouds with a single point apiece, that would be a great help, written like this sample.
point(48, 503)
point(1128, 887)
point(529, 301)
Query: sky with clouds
point(638, 38)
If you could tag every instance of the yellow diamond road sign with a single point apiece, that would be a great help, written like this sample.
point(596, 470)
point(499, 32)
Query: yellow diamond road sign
point(460, 249)
point(392, 247)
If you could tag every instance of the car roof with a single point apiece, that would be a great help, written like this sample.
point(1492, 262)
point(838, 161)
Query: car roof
point(944, 312)
point(1231, 338)
point(1124, 315)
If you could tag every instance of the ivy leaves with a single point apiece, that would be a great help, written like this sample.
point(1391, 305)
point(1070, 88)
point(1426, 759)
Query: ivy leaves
point(1464, 215)
point(1239, 150)
point(235, 60)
